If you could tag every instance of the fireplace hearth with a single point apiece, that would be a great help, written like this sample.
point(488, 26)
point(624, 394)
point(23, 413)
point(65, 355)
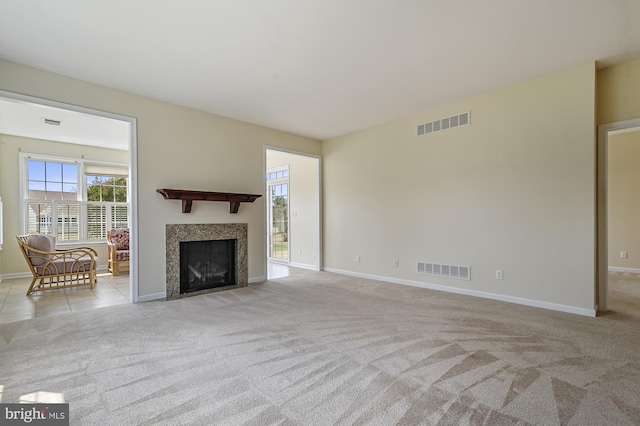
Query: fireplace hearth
point(202, 258)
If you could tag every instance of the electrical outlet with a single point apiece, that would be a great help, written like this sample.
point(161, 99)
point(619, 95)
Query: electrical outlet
point(357, 259)
point(623, 255)
point(396, 262)
point(498, 274)
point(299, 251)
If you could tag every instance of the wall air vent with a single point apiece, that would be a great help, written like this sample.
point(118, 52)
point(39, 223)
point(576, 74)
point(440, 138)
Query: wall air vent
point(448, 271)
point(51, 121)
point(446, 123)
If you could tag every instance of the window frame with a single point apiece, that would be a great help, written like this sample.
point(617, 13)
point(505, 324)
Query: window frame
point(274, 170)
point(81, 199)
point(270, 182)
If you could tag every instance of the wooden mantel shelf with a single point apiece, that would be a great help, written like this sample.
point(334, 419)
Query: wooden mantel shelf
point(188, 197)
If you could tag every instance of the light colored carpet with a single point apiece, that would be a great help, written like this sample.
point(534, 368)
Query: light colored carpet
point(324, 349)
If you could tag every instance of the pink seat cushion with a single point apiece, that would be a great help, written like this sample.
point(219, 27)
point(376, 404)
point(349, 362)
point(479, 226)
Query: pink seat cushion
point(122, 254)
point(120, 237)
point(81, 264)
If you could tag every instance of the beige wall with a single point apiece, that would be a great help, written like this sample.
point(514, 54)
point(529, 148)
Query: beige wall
point(10, 148)
point(303, 206)
point(619, 92)
point(514, 191)
point(624, 200)
point(177, 148)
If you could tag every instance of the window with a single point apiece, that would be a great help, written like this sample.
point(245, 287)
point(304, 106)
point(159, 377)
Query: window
point(73, 200)
point(278, 213)
point(53, 206)
point(107, 206)
point(280, 174)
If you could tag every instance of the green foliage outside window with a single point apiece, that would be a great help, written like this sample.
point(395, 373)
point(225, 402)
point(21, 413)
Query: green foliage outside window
point(280, 215)
point(107, 188)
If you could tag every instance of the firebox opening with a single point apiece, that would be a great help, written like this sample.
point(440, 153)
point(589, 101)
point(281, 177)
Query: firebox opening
point(207, 264)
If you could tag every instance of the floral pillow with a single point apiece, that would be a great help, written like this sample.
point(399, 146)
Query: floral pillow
point(120, 237)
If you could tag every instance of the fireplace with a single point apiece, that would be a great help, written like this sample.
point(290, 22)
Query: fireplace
point(207, 264)
point(203, 258)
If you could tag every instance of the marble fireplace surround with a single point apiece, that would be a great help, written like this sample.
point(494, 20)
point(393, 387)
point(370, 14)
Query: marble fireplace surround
point(175, 233)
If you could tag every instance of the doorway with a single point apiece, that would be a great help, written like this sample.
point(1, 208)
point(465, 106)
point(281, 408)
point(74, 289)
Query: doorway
point(618, 168)
point(293, 216)
point(86, 123)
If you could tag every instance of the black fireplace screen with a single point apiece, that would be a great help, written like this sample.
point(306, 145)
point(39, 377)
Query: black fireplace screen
point(207, 264)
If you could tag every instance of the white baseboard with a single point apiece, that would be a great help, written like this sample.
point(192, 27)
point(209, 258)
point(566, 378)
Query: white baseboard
point(150, 297)
point(475, 293)
point(303, 266)
point(29, 275)
point(617, 269)
point(257, 279)
point(16, 275)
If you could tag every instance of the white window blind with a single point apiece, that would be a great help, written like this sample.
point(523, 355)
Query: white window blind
point(120, 216)
point(40, 217)
point(68, 220)
point(96, 221)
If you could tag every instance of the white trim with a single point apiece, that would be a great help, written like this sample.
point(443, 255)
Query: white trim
point(253, 280)
point(279, 169)
point(602, 234)
point(99, 268)
point(475, 293)
point(619, 269)
point(150, 297)
point(302, 266)
point(132, 193)
point(133, 171)
point(17, 275)
point(1, 227)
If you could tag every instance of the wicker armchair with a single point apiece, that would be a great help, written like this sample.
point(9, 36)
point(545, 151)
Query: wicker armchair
point(54, 269)
point(118, 250)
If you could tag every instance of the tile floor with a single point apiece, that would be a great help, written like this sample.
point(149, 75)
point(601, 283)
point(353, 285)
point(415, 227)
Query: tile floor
point(15, 305)
point(279, 270)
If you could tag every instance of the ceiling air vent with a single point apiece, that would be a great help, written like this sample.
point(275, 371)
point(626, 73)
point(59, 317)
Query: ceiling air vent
point(51, 121)
point(446, 123)
point(448, 271)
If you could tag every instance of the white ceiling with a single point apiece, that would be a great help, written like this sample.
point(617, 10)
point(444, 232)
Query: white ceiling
point(315, 68)
point(26, 119)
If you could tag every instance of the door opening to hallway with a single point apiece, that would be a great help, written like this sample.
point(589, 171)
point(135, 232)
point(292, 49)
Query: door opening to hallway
point(292, 187)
